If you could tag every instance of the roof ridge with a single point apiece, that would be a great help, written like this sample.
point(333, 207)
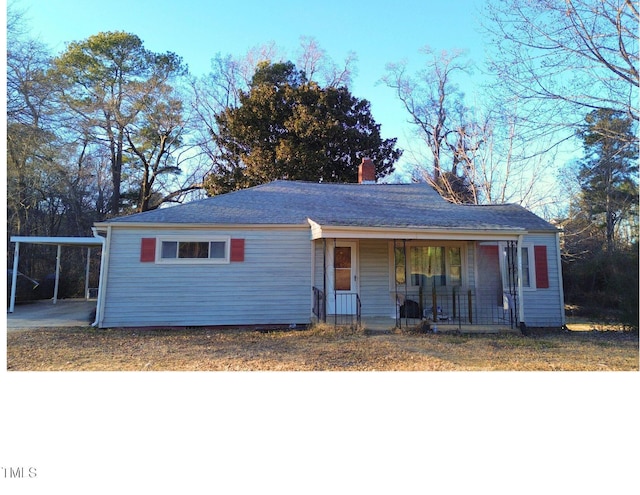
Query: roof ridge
point(288, 202)
point(295, 181)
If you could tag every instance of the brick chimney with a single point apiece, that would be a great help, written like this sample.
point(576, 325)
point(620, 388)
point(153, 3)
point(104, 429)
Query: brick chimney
point(366, 172)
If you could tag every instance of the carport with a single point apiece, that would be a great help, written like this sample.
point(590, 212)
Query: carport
point(88, 242)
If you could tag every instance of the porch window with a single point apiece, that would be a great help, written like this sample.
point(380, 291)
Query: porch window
point(511, 256)
point(429, 266)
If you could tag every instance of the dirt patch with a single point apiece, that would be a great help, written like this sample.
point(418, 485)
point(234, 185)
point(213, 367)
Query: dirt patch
point(585, 325)
point(323, 348)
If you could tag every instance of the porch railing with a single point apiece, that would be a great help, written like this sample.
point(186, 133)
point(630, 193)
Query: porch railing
point(319, 304)
point(344, 309)
point(451, 306)
point(459, 306)
point(347, 309)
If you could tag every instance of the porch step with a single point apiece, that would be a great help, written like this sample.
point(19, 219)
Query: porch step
point(476, 329)
point(374, 326)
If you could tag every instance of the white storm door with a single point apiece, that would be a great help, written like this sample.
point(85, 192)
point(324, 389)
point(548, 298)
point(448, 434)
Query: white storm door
point(343, 279)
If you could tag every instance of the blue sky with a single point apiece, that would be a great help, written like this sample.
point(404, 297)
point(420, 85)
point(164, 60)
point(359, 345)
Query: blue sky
point(377, 31)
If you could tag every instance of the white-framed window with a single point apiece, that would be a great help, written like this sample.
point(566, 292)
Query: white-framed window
point(528, 265)
point(428, 264)
point(198, 250)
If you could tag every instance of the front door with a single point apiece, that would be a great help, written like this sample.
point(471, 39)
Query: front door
point(343, 279)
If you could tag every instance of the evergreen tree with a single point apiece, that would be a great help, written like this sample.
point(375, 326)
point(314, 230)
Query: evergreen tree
point(115, 90)
point(286, 127)
point(607, 174)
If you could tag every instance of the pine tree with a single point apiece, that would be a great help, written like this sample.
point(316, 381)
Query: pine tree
point(608, 172)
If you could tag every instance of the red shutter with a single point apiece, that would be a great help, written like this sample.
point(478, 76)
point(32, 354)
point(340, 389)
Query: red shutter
point(542, 271)
point(148, 249)
point(237, 249)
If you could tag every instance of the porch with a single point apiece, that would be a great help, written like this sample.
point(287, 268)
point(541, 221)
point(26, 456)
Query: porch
point(451, 285)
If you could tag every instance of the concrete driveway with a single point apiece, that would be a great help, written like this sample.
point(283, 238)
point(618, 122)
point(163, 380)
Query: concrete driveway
point(41, 314)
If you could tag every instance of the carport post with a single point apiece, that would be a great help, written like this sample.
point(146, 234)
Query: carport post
point(55, 287)
point(14, 277)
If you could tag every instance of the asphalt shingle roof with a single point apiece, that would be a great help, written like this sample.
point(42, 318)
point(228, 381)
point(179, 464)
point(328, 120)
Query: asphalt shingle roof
point(356, 205)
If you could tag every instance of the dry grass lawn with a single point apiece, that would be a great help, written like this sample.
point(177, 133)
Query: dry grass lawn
point(319, 348)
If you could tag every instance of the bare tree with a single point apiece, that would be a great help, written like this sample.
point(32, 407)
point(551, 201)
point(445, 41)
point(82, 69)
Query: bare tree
point(430, 98)
point(512, 166)
point(320, 68)
point(480, 152)
point(444, 123)
point(159, 147)
point(565, 58)
point(30, 136)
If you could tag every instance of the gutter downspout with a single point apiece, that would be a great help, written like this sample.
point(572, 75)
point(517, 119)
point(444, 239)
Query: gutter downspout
point(104, 261)
point(57, 282)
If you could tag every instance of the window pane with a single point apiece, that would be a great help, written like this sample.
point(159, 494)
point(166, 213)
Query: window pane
point(455, 266)
point(526, 281)
point(427, 266)
point(217, 249)
point(454, 256)
point(343, 279)
point(169, 249)
point(455, 275)
point(193, 250)
point(343, 257)
point(400, 266)
point(419, 266)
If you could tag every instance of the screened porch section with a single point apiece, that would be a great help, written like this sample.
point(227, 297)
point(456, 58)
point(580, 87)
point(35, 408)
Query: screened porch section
point(398, 283)
point(433, 282)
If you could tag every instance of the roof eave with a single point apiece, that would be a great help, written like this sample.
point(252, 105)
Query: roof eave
point(411, 233)
point(57, 241)
point(179, 225)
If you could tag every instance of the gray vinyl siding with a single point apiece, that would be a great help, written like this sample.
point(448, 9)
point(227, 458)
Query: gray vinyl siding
point(374, 278)
point(271, 286)
point(542, 307)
